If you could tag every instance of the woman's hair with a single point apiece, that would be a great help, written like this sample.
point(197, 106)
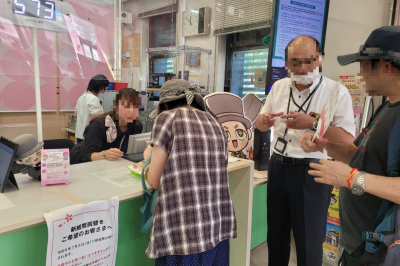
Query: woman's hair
point(128, 94)
point(177, 103)
point(97, 84)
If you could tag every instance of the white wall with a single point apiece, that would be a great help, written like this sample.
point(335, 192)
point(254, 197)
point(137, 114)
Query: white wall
point(141, 27)
point(349, 24)
point(215, 44)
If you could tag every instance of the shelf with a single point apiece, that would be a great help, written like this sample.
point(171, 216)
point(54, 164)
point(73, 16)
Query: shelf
point(177, 50)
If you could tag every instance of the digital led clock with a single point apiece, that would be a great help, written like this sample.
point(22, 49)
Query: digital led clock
point(35, 8)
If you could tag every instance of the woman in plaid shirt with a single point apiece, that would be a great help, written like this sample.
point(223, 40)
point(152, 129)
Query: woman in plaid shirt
point(194, 216)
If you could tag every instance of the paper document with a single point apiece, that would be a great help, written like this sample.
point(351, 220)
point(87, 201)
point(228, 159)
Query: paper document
point(120, 177)
point(232, 160)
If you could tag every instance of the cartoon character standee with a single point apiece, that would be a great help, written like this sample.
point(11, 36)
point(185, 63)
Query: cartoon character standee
point(238, 118)
point(29, 153)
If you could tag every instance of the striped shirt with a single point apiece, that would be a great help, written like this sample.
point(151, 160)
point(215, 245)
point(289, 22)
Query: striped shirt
point(194, 210)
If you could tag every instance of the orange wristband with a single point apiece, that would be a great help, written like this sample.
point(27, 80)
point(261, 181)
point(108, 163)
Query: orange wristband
point(350, 177)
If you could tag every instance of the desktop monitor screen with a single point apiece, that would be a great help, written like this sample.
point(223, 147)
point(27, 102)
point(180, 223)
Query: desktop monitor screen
point(292, 19)
point(161, 81)
point(7, 152)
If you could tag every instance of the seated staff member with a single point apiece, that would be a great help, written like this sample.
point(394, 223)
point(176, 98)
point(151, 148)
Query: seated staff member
point(107, 135)
point(294, 200)
point(88, 105)
point(194, 216)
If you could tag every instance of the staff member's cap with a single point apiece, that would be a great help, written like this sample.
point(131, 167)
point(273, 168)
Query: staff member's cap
point(383, 43)
point(176, 89)
point(28, 144)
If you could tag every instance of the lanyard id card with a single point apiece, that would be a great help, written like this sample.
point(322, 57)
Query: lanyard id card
point(281, 145)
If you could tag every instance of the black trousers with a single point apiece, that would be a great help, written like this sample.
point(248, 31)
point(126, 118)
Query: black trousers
point(295, 201)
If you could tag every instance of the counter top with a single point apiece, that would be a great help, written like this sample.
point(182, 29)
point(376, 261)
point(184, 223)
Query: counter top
point(28, 204)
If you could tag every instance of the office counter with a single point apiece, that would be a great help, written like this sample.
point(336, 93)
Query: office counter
point(23, 232)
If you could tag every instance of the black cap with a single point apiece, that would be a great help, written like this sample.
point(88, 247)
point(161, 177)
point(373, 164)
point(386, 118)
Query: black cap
point(383, 43)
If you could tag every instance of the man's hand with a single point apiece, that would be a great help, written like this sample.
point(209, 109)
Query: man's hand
point(296, 120)
point(308, 145)
point(113, 154)
point(267, 119)
point(331, 172)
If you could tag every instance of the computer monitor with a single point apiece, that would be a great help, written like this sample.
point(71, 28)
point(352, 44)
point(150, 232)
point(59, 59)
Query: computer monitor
point(8, 150)
point(161, 81)
point(138, 143)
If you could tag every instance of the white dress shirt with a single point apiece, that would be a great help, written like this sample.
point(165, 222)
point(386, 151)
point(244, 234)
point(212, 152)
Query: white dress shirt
point(277, 101)
point(87, 105)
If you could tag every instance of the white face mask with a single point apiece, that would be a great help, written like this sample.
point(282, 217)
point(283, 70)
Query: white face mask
point(305, 79)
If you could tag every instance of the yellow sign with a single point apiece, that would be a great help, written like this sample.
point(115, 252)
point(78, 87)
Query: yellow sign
point(333, 210)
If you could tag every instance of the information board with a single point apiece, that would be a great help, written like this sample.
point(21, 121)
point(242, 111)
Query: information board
point(292, 19)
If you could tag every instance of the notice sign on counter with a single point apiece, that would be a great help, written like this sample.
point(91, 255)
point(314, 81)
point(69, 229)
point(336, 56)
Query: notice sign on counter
point(83, 234)
point(55, 167)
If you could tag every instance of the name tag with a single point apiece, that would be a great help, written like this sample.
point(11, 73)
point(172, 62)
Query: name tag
point(280, 145)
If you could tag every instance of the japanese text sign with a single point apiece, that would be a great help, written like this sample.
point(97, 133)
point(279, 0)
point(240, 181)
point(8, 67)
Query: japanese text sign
point(83, 234)
point(328, 112)
point(55, 167)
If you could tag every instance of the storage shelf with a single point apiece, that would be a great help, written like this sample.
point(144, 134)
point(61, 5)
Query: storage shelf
point(177, 50)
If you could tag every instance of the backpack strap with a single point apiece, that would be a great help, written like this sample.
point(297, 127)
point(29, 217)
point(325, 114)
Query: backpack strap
point(393, 165)
point(146, 192)
point(385, 221)
point(386, 218)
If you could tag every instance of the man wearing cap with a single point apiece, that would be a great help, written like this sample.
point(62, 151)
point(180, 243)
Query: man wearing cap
point(360, 200)
point(294, 200)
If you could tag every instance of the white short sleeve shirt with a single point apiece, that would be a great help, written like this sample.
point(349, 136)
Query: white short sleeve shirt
point(277, 101)
point(87, 105)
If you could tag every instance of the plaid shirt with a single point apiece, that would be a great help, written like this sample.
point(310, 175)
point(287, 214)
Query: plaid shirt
point(194, 211)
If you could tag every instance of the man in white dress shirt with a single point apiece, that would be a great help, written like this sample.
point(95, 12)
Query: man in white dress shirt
point(294, 200)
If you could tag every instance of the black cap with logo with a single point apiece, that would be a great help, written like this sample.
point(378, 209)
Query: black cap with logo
point(383, 43)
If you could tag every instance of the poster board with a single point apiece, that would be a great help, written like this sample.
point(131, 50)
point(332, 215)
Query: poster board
point(55, 167)
point(83, 234)
point(260, 77)
point(131, 44)
point(331, 244)
point(353, 84)
point(333, 210)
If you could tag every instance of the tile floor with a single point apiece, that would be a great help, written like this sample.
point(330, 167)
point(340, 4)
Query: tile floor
point(259, 256)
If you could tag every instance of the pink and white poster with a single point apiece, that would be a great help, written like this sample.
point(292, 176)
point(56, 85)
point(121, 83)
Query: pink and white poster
point(55, 167)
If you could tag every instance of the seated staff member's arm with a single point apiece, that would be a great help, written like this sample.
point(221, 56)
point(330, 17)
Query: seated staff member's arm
point(336, 174)
point(95, 139)
point(338, 151)
point(155, 169)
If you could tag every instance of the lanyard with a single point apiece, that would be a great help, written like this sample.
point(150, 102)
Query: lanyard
point(309, 98)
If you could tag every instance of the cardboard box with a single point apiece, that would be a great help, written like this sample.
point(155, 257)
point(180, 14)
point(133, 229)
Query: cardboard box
point(331, 244)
